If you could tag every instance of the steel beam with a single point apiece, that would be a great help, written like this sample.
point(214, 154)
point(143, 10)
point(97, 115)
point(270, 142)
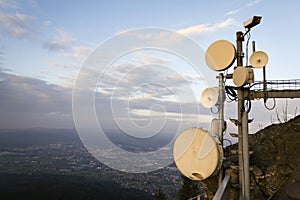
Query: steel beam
point(273, 94)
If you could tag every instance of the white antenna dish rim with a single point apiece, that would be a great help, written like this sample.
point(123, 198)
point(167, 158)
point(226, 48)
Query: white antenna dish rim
point(220, 55)
point(209, 97)
point(198, 161)
point(259, 59)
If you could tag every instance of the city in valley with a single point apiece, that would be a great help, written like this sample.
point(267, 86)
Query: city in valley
point(36, 152)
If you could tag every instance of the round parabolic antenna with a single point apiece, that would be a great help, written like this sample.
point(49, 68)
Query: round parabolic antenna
point(241, 76)
point(220, 55)
point(197, 154)
point(259, 59)
point(214, 126)
point(209, 97)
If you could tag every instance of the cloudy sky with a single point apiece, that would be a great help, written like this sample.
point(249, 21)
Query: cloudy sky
point(46, 46)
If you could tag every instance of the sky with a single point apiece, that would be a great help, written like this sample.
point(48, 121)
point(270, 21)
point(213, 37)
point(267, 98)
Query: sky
point(46, 45)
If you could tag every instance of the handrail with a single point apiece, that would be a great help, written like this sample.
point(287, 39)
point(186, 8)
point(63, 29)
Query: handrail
point(274, 85)
point(221, 192)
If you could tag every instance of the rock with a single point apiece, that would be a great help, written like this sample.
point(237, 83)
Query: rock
point(276, 157)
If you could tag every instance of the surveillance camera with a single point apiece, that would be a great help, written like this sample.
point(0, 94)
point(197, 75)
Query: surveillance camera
point(253, 21)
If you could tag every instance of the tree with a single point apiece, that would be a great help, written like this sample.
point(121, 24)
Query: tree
point(159, 195)
point(189, 189)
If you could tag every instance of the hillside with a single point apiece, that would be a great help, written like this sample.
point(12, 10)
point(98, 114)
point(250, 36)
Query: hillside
point(67, 187)
point(275, 163)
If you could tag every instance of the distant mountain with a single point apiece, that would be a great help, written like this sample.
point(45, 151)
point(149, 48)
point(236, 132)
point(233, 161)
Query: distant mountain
point(37, 136)
point(40, 136)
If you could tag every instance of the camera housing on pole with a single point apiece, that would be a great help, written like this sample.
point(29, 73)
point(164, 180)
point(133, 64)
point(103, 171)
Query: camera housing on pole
point(253, 21)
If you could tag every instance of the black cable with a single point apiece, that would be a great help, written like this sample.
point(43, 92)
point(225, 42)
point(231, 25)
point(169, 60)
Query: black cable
point(231, 99)
point(270, 108)
point(225, 75)
point(231, 94)
point(230, 91)
point(230, 143)
point(247, 46)
point(211, 110)
point(247, 107)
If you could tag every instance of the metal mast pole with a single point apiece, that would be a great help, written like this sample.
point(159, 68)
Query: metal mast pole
point(240, 55)
point(245, 153)
point(221, 119)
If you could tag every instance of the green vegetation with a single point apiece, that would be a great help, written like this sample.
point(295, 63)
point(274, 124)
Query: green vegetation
point(159, 195)
point(189, 189)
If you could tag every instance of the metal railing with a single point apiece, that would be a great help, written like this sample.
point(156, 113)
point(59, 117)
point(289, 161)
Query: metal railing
point(275, 85)
point(223, 191)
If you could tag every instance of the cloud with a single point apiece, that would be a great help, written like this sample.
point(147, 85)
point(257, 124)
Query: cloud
point(9, 4)
point(235, 11)
point(80, 52)
point(176, 116)
point(253, 3)
point(129, 87)
point(161, 80)
point(63, 44)
point(14, 23)
point(75, 57)
point(28, 102)
point(206, 28)
point(148, 94)
point(17, 25)
point(147, 58)
point(232, 12)
point(60, 42)
point(64, 65)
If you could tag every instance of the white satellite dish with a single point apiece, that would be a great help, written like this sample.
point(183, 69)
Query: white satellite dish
point(259, 59)
point(197, 154)
point(210, 97)
point(214, 126)
point(242, 76)
point(220, 55)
